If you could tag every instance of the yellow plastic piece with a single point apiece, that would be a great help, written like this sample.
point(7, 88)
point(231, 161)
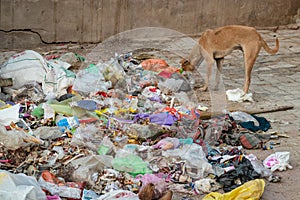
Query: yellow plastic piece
point(251, 190)
point(102, 111)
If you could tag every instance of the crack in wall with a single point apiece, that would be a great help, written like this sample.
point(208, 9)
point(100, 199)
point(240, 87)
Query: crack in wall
point(41, 38)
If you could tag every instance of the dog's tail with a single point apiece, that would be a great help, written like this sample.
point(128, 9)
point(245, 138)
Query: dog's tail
point(268, 49)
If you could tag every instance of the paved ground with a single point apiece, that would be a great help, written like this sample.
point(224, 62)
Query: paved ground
point(275, 82)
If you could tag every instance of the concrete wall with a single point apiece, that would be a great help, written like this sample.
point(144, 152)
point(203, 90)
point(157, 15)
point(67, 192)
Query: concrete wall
point(26, 23)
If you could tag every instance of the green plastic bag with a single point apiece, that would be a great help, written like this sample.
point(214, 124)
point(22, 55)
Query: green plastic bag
point(38, 111)
point(132, 164)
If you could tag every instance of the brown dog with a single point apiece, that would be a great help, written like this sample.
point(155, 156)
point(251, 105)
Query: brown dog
point(216, 44)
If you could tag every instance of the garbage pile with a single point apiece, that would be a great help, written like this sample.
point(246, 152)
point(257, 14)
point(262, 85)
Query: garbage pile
point(121, 129)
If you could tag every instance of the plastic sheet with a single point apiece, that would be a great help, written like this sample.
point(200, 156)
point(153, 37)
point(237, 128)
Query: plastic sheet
point(46, 132)
point(106, 147)
point(251, 190)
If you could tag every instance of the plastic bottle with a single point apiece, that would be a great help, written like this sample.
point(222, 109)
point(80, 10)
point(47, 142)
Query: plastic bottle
point(68, 122)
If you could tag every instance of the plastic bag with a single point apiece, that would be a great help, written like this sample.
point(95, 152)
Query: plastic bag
point(243, 117)
point(119, 194)
point(9, 115)
point(156, 65)
point(58, 186)
point(132, 164)
point(150, 92)
point(90, 79)
point(206, 185)
point(58, 78)
point(159, 183)
point(171, 84)
point(258, 166)
point(238, 95)
point(278, 161)
point(25, 67)
point(47, 132)
point(196, 166)
point(87, 136)
point(106, 147)
point(251, 190)
point(15, 139)
point(188, 152)
point(145, 131)
point(19, 186)
point(167, 143)
point(87, 166)
point(53, 74)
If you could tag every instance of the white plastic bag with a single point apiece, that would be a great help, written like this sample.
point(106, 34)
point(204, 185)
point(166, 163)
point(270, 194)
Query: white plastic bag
point(197, 165)
point(238, 95)
point(9, 115)
point(87, 166)
point(57, 78)
point(19, 186)
point(243, 117)
point(87, 136)
point(30, 67)
point(90, 79)
point(15, 139)
point(258, 166)
point(119, 194)
point(278, 161)
point(24, 68)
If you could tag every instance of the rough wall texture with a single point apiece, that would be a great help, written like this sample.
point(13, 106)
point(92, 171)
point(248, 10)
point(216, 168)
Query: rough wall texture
point(25, 23)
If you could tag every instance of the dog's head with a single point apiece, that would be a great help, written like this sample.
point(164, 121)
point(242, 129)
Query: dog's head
point(186, 65)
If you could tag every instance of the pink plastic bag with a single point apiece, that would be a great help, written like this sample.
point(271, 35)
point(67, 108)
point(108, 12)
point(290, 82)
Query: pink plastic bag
point(159, 183)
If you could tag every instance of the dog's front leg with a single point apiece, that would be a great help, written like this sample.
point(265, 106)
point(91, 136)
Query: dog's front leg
point(209, 62)
point(208, 74)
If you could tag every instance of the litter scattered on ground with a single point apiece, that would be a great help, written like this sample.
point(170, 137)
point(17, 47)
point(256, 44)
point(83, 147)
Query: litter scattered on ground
point(123, 129)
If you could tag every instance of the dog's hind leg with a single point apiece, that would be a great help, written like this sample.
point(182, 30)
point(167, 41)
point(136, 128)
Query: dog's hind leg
point(219, 62)
point(250, 53)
